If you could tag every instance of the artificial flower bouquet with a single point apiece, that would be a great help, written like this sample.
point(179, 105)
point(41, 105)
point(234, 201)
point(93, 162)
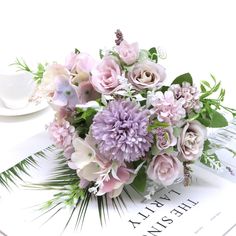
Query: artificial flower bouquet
point(118, 125)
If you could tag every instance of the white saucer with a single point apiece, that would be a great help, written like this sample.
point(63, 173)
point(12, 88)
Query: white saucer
point(32, 107)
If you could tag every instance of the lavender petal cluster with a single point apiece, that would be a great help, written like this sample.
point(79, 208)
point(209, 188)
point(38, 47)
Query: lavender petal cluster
point(120, 131)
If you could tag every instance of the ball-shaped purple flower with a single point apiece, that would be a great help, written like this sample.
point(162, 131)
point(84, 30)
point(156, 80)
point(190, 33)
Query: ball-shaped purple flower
point(120, 131)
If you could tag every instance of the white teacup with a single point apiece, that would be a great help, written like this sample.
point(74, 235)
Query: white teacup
point(16, 89)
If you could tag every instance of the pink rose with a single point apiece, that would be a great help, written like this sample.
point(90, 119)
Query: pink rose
point(164, 169)
point(105, 77)
point(147, 75)
point(80, 65)
point(128, 53)
point(191, 141)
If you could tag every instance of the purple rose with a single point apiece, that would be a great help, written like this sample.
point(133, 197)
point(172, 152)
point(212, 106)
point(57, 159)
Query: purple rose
point(164, 169)
point(128, 53)
point(105, 77)
point(147, 75)
point(191, 141)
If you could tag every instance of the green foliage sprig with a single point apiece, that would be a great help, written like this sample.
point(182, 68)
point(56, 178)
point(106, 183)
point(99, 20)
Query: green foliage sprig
point(21, 65)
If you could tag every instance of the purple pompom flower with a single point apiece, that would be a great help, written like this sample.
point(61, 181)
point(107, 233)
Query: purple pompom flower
point(120, 131)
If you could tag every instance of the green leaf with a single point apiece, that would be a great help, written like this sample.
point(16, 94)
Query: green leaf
point(206, 83)
point(213, 77)
point(157, 124)
point(41, 67)
point(77, 51)
point(153, 54)
point(101, 53)
point(203, 89)
point(183, 78)
point(82, 120)
point(143, 55)
point(193, 116)
point(208, 158)
point(140, 180)
point(164, 88)
point(218, 120)
point(212, 118)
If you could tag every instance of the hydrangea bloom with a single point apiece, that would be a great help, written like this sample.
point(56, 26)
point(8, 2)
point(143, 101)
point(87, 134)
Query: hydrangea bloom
point(167, 108)
point(189, 93)
point(120, 131)
point(62, 133)
point(65, 93)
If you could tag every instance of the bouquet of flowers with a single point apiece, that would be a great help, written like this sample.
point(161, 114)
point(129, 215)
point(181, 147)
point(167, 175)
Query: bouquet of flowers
point(118, 125)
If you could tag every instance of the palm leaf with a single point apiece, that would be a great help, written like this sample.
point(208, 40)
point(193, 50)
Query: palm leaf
point(68, 194)
point(15, 174)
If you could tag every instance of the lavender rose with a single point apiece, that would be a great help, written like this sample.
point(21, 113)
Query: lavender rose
point(164, 169)
point(191, 141)
point(128, 53)
point(105, 77)
point(147, 75)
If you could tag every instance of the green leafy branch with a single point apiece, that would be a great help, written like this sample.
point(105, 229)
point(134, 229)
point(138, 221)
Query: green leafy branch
point(209, 115)
point(21, 65)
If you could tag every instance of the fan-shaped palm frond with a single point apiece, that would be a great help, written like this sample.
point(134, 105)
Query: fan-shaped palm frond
point(68, 194)
point(15, 174)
